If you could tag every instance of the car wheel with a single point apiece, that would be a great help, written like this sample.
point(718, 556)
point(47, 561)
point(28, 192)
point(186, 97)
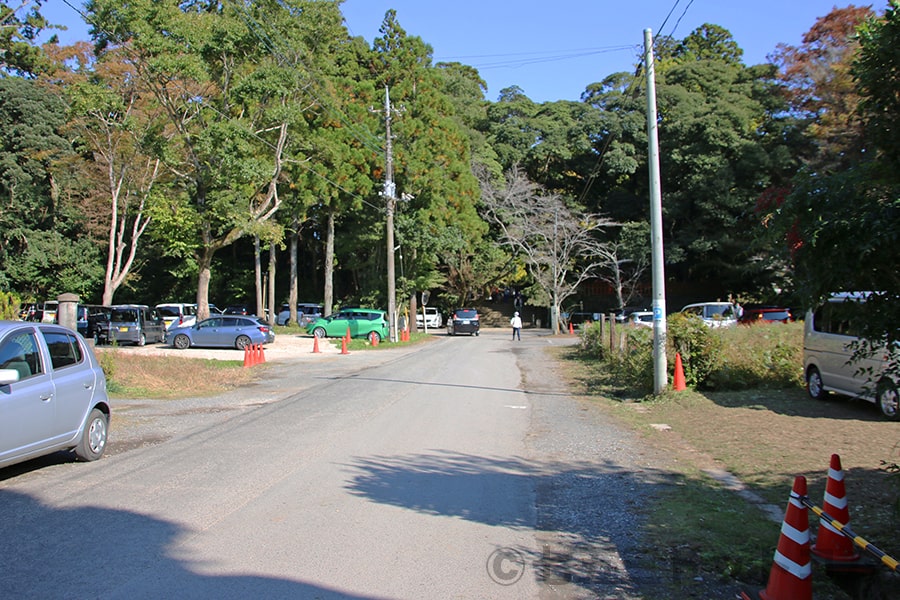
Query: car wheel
point(242, 342)
point(93, 437)
point(375, 337)
point(814, 384)
point(181, 341)
point(319, 332)
point(888, 400)
point(142, 340)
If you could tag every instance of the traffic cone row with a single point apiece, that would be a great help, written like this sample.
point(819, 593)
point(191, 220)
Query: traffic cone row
point(791, 574)
point(254, 355)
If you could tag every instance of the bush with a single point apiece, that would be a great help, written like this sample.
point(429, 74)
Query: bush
point(9, 306)
point(699, 345)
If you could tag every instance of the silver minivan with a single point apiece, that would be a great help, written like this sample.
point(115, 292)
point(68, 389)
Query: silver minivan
point(830, 339)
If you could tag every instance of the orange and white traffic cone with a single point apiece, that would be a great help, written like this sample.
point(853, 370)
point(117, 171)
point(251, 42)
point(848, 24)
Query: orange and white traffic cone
point(344, 346)
point(791, 574)
point(316, 345)
point(679, 384)
point(831, 544)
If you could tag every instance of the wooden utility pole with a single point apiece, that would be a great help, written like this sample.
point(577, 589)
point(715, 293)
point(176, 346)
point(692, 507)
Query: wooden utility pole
point(391, 201)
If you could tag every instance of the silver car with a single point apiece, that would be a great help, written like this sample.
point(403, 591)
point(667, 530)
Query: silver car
point(52, 394)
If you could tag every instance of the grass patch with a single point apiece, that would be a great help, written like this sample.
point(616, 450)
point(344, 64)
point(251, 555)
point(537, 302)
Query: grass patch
point(755, 420)
point(165, 377)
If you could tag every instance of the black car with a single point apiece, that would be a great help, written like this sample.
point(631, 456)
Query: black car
point(463, 320)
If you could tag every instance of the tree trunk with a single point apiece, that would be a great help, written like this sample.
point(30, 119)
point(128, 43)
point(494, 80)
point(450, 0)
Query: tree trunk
point(257, 265)
point(204, 275)
point(293, 295)
point(329, 265)
point(272, 307)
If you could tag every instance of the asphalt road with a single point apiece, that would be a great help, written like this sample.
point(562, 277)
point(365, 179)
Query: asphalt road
point(459, 468)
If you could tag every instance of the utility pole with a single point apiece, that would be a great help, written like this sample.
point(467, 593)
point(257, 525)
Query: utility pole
point(660, 367)
point(391, 200)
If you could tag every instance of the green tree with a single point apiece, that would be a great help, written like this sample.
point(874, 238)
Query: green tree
point(227, 76)
point(21, 22)
point(432, 158)
point(45, 248)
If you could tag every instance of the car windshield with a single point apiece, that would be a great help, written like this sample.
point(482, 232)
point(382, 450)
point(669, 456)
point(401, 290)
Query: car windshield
point(124, 314)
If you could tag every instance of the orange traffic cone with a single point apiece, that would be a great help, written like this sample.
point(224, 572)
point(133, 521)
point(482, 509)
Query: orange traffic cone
point(347, 335)
point(344, 346)
point(831, 544)
point(571, 329)
point(316, 345)
point(373, 338)
point(678, 384)
point(262, 354)
point(791, 574)
point(248, 361)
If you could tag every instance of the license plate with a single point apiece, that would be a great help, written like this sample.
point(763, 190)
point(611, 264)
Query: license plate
point(123, 329)
point(465, 321)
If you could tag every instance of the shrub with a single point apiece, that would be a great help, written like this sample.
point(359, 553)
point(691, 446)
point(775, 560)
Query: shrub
point(9, 306)
point(700, 347)
point(592, 340)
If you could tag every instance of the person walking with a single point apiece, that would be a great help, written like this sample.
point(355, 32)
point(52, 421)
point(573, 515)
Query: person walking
point(516, 323)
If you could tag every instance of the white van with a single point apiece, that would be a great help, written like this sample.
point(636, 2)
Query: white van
point(830, 337)
point(177, 314)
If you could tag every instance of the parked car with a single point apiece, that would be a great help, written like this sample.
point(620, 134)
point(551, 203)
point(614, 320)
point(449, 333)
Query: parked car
point(623, 313)
point(830, 339)
point(714, 314)
point(765, 314)
point(641, 318)
point(306, 312)
point(362, 322)
point(227, 331)
point(176, 314)
point(98, 322)
point(132, 324)
point(237, 309)
point(463, 320)
point(432, 318)
point(52, 394)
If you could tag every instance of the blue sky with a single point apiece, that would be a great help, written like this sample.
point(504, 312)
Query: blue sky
point(553, 50)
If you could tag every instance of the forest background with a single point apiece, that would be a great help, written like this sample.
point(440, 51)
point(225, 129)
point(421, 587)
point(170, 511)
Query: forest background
point(236, 151)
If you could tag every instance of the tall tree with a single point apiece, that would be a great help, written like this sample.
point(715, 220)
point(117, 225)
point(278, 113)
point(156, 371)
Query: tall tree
point(227, 76)
point(560, 247)
point(817, 80)
point(114, 123)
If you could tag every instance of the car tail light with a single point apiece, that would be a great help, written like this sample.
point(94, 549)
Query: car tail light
point(263, 329)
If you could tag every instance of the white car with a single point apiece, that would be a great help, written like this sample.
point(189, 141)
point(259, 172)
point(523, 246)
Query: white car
point(432, 318)
point(641, 318)
point(714, 314)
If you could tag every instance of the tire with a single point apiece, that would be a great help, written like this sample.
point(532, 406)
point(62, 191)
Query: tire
point(93, 437)
point(319, 332)
point(814, 385)
point(242, 342)
point(374, 335)
point(888, 400)
point(142, 340)
point(181, 341)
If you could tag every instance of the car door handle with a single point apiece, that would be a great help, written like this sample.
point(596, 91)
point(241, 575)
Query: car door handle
point(87, 385)
point(46, 397)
